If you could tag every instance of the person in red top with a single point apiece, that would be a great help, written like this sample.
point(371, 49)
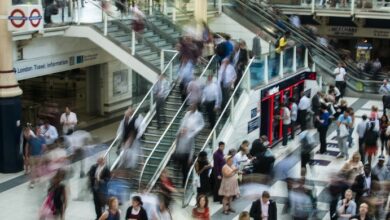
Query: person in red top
point(166, 187)
point(201, 211)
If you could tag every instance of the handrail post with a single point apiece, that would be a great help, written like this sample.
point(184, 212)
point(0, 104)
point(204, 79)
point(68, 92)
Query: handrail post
point(79, 12)
point(294, 59)
point(248, 81)
point(165, 7)
point(174, 11)
point(232, 110)
point(151, 102)
point(171, 72)
point(70, 9)
point(306, 57)
point(313, 2)
point(313, 67)
point(219, 6)
point(214, 141)
point(133, 42)
point(266, 69)
point(281, 64)
point(150, 7)
point(162, 61)
point(105, 23)
point(353, 7)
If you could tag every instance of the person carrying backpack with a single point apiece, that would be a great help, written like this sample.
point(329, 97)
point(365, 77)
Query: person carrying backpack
point(370, 141)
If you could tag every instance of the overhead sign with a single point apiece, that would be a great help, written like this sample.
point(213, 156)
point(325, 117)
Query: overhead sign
point(348, 31)
point(31, 68)
point(25, 18)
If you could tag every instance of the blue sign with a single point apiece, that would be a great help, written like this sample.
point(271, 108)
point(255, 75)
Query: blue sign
point(253, 124)
point(253, 112)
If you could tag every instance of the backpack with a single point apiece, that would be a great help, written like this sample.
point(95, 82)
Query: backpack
point(371, 137)
point(277, 43)
point(47, 209)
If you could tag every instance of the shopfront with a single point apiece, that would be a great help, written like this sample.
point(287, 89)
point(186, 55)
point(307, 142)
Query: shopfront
point(273, 96)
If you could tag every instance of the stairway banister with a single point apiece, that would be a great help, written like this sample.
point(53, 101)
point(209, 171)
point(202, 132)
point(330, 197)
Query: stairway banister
point(155, 176)
point(211, 135)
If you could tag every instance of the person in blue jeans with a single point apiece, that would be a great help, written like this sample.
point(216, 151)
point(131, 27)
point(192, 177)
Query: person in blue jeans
point(35, 148)
point(323, 124)
point(343, 125)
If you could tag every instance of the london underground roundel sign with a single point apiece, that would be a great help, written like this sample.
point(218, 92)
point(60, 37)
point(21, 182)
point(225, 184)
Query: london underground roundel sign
point(17, 18)
point(35, 17)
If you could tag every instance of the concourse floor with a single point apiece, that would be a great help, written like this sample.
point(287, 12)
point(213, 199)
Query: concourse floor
point(18, 202)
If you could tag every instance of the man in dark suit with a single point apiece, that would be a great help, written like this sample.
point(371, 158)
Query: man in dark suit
point(99, 175)
point(363, 184)
point(264, 208)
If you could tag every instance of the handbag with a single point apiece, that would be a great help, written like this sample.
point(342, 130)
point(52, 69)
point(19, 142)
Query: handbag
point(47, 209)
point(343, 130)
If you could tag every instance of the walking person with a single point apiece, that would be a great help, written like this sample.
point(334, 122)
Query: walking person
point(294, 116)
point(343, 123)
point(219, 162)
point(383, 124)
point(99, 175)
point(351, 127)
point(68, 121)
point(160, 91)
point(35, 147)
point(384, 90)
point(56, 199)
point(370, 142)
point(211, 100)
point(186, 74)
point(286, 118)
point(229, 185)
point(226, 78)
point(191, 124)
point(340, 75)
point(256, 45)
point(323, 125)
point(363, 184)
point(303, 110)
point(361, 130)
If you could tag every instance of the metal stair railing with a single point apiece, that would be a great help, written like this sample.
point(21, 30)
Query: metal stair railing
point(170, 131)
point(147, 102)
point(227, 116)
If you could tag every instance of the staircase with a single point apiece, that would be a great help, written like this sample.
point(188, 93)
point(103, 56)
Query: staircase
point(164, 142)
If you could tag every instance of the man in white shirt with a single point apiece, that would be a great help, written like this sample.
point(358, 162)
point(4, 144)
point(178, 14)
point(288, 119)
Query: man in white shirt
point(303, 108)
point(191, 124)
point(49, 132)
point(68, 121)
point(194, 92)
point(340, 74)
point(211, 99)
point(226, 77)
point(385, 91)
point(286, 117)
point(294, 116)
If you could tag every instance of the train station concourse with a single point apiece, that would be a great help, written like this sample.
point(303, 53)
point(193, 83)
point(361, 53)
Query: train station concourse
point(194, 109)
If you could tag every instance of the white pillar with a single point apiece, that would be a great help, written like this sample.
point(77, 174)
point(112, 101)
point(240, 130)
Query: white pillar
point(294, 67)
point(281, 64)
point(200, 12)
point(266, 69)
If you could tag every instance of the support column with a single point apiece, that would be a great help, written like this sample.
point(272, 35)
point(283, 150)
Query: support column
point(10, 105)
point(200, 12)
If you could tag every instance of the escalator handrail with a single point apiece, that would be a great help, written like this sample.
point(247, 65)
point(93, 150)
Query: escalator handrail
point(216, 125)
point(311, 43)
point(299, 32)
point(165, 132)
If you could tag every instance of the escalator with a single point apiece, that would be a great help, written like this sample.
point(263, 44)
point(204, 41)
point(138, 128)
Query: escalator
point(153, 165)
point(250, 13)
point(152, 136)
